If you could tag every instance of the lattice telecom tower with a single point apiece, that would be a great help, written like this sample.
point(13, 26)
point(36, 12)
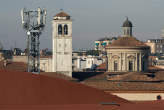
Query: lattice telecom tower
point(33, 22)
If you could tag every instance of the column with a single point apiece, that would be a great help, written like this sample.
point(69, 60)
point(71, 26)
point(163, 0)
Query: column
point(136, 65)
point(140, 62)
point(125, 62)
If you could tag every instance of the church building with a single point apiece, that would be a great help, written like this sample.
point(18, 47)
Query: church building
point(127, 54)
point(62, 44)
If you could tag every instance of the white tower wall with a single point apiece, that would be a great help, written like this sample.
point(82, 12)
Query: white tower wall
point(62, 47)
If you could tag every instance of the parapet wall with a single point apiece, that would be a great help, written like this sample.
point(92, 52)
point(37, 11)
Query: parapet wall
point(19, 59)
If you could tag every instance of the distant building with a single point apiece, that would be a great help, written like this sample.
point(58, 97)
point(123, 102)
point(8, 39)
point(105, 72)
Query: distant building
point(46, 63)
point(84, 63)
point(156, 45)
point(103, 42)
point(17, 51)
point(7, 54)
point(127, 53)
point(1, 56)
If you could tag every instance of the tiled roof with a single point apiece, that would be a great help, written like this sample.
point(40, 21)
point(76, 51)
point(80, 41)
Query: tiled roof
point(125, 86)
point(159, 76)
point(127, 42)
point(132, 81)
point(14, 66)
point(131, 76)
point(102, 66)
point(58, 75)
point(62, 14)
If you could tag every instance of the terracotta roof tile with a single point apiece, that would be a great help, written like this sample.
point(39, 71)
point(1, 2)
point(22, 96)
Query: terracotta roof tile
point(127, 81)
point(102, 66)
point(131, 77)
point(127, 41)
point(15, 66)
point(62, 14)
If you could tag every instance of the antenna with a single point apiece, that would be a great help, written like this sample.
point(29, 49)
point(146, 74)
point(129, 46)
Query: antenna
point(33, 23)
point(22, 15)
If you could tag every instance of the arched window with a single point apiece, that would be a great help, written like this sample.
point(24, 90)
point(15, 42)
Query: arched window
point(59, 29)
point(65, 29)
point(115, 66)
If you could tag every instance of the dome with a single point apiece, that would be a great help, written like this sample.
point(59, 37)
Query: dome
point(127, 23)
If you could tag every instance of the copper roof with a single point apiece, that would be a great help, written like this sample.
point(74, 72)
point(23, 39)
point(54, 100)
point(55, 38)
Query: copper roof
point(127, 42)
point(62, 14)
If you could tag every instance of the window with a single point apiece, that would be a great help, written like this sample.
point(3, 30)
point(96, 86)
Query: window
point(130, 66)
point(65, 29)
point(115, 66)
point(59, 29)
point(124, 32)
point(143, 66)
point(157, 45)
point(127, 32)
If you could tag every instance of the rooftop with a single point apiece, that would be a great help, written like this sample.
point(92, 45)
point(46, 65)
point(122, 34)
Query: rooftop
point(127, 81)
point(62, 14)
point(127, 42)
point(21, 88)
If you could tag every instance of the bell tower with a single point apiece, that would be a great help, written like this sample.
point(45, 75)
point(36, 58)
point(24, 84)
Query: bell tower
point(62, 44)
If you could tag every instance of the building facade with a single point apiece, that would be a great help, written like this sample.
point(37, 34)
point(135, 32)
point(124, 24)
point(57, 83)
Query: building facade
point(156, 45)
point(127, 53)
point(103, 42)
point(83, 63)
point(62, 44)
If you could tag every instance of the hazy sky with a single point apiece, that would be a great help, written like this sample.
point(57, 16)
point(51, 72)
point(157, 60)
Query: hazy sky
point(92, 19)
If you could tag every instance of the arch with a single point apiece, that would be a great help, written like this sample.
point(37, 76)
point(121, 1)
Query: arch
point(115, 57)
point(65, 29)
point(131, 57)
point(59, 29)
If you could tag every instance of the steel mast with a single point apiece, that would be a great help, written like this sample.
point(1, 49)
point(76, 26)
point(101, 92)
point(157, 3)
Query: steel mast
point(33, 23)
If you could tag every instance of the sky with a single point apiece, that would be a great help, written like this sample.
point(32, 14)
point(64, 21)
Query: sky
point(92, 19)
